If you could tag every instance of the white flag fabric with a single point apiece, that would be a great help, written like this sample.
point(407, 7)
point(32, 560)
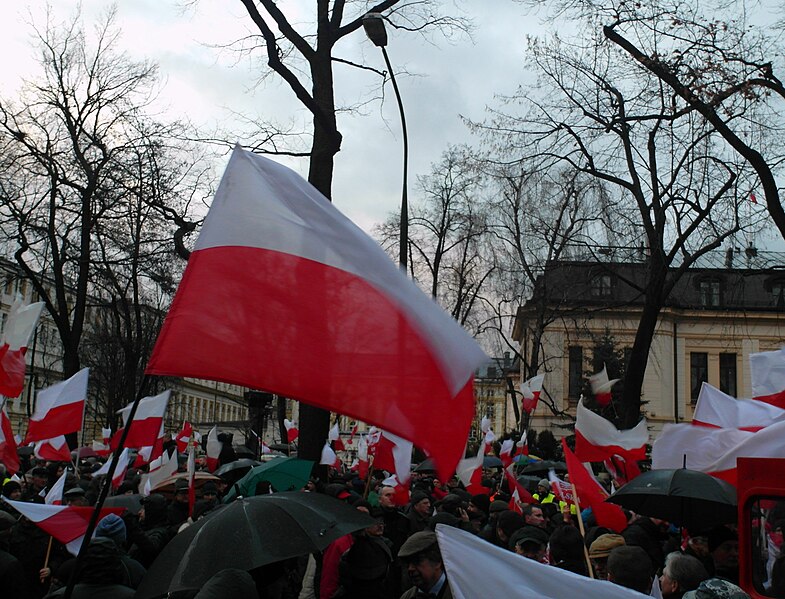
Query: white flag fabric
point(597, 439)
point(767, 370)
point(715, 450)
point(720, 410)
point(476, 568)
point(55, 494)
point(59, 409)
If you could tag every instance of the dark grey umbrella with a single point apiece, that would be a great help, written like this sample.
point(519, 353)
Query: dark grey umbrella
point(234, 471)
point(426, 465)
point(247, 534)
point(543, 466)
point(491, 461)
point(133, 503)
point(688, 498)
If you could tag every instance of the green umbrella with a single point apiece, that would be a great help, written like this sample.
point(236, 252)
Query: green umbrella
point(284, 474)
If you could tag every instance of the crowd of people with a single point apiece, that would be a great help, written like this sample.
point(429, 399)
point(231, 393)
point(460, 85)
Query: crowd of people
point(396, 557)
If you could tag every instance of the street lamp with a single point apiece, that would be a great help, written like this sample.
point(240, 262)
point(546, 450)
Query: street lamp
point(373, 23)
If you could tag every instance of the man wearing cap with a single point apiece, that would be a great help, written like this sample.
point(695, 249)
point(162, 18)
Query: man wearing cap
point(177, 512)
point(716, 588)
point(419, 512)
point(530, 542)
point(423, 560)
point(37, 482)
point(599, 551)
point(75, 496)
point(724, 551)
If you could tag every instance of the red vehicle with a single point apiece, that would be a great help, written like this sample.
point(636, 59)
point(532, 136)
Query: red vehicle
point(761, 494)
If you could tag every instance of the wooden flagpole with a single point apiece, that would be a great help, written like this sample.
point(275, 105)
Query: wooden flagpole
point(583, 532)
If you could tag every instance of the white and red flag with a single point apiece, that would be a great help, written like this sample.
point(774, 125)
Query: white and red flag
point(59, 409)
point(53, 450)
point(213, 449)
point(292, 432)
point(469, 471)
point(522, 446)
point(8, 450)
point(767, 370)
point(191, 470)
point(163, 467)
point(505, 453)
point(362, 457)
point(120, 470)
point(517, 490)
point(596, 439)
point(335, 436)
point(184, 437)
point(67, 524)
point(392, 453)
point(592, 494)
point(715, 450)
point(387, 354)
point(55, 495)
point(18, 330)
point(329, 457)
point(719, 410)
point(530, 390)
point(601, 386)
point(560, 488)
point(352, 434)
point(147, 454)
point(146, 427)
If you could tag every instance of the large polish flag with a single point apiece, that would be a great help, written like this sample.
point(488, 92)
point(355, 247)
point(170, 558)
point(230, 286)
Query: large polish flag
point(719, 410)
point(67, 524)
point(59, 408)
point(22, 320)
point(596, 439)
point(767, 370)
point(147, 425)
point(8, 450)
point(476, 568)
point(715, 450)
point(278, 272)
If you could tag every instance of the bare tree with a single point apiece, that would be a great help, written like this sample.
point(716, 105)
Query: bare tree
point(671, 182)
point(93, 193)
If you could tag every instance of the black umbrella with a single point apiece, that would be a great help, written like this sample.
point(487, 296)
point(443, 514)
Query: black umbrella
point(426, 465)
point(543, 466)
point(688, 498)
point(491, 461)
point(132, 502)
point(247, 534)
point(234, 471)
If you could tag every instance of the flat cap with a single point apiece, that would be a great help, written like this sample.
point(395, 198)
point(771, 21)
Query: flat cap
point(602, 545)
point(498, 506)
point(528, 533)
point(74, 492)
point(417, 543)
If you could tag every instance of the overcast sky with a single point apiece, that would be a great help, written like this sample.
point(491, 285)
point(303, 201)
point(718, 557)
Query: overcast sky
point(211, 84)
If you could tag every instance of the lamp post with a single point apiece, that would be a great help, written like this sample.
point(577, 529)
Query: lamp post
point(373, 23)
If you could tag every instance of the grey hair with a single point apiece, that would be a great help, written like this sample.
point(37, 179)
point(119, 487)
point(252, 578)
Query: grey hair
point(685, 569)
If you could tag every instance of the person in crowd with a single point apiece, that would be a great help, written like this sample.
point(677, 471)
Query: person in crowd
point(650, 534)
point(75, 496)
point(151, 532)
point(724, 550)
point(506, 524)
point(13, 581)
point(365, 569)
point(488, 532)
point(682, 573)
point(630, 566)
point(544, 493)
point(101, 575)
point(599, 551)
point(37, 481)
point(530, 542)
point(419, 511)
point(177, 512)
point(567, 550)
point(423, 560)
point(716, 588)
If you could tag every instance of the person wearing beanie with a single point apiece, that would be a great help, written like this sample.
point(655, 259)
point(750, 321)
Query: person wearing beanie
point(152, 532)
point(419, 512)
point(544, 493)
point(111, 527)
point(716, 588)
point(506, 524)
point(480, 503)
point(101, 575)
point(724, 551)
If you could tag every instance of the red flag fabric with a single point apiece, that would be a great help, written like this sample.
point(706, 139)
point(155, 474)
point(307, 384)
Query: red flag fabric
point(145, 429)
point(292, 432)
point(516, 487)
point(393, 454)
point(530, 390)
point(213, 449)
point(335, 437)
point(402, 495)
point(120, 470)
point(352, 434)
point(505, 453)
point(522, 446)
point(8, 450)
point(560, 488)
point(362, 457)
point(469, 471)
point(54, 450)
point(596, 439)
point(67, 524)
point(601, 387)
point(55, 495)
point(387, 354)
point(19, 327)
point(622, 471)
point(719, 410)
point(59, 408)
point(329, 458)
point(591, 494)
point(184, 437)
point(767, 370)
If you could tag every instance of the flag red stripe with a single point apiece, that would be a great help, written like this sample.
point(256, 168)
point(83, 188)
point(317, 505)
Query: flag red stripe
point(60, 420)
point(751, 429)
point(775, 399)
point(587, 452)
point(345, 342)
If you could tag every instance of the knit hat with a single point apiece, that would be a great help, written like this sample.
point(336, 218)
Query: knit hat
point(716, 588)
point(718, 535)
point(544, 482)
point(418, 496)
point(602, 545)
point(498, 506)
point(481, 502)
point(111, 527)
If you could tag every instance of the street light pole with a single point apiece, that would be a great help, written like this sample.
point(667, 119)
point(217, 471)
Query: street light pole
point(373, 23)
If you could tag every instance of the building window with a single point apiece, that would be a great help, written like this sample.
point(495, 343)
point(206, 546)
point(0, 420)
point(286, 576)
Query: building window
point(601, 285)
point(778, 293)
point(699, 373)
point(728, 374)
point(709, 293)
point(575, 372)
